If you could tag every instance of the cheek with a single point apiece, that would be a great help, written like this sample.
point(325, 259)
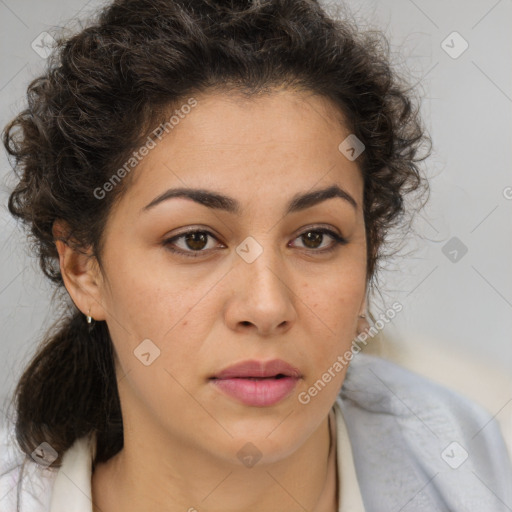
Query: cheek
point(336, 301)
point(148, 300)
point(167, 320)
point(331, 313)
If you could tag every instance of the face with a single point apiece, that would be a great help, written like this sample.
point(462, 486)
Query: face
point(260, 276)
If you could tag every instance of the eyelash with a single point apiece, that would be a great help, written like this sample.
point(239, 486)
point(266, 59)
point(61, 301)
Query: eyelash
point(338, 240)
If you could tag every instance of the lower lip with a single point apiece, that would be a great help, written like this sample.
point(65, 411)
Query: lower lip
point(257, 392)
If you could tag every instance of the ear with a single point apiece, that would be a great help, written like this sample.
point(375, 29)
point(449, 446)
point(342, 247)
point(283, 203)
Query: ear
point(362, 322)
point(364, 303)
point(81, 274)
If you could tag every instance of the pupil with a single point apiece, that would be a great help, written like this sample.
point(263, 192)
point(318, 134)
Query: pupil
point(196, 238)
point(312, 236)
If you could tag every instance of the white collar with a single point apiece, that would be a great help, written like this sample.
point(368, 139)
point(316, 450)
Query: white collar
point(349, 492)
point(72, 487)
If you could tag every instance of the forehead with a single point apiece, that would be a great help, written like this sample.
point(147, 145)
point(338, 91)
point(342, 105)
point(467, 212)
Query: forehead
point(281, 116)
point(272, 144)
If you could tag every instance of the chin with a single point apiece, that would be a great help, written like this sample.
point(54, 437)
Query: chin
point(266, 445)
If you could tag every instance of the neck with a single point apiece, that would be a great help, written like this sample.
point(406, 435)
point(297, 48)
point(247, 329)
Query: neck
point(169, 476)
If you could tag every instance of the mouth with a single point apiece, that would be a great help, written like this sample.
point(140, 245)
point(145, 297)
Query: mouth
point(252, 369)
point(257, 383)
point(252, 377)
point(278, 376)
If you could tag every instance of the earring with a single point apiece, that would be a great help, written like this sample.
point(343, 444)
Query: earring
point(90, 321)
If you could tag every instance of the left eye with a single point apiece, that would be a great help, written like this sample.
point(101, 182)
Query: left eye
point(198, 240)
point(313, 236)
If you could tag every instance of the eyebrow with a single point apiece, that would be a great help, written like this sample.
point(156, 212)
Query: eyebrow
point(219, 201)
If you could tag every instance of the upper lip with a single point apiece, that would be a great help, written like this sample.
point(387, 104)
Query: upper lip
point(255, 368)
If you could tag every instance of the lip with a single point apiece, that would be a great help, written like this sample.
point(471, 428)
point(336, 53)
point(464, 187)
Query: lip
point(255, 368)
point(258, 383)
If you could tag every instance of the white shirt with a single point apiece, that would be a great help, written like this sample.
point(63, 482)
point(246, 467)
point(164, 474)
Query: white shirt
point(72, 488)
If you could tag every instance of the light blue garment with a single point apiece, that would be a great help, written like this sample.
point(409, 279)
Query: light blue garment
point(410, 438)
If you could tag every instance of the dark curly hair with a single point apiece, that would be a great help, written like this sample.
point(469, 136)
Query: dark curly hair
point(103, 92)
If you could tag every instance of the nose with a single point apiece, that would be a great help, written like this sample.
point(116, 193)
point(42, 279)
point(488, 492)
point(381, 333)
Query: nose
point(263, 298)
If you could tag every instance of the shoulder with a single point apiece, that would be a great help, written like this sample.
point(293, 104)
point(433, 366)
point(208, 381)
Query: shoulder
point(381, 386)
point(25, 486)
point(425, 436)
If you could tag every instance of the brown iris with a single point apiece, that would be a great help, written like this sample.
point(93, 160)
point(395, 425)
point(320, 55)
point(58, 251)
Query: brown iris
point(197, 240)
point(312, 236)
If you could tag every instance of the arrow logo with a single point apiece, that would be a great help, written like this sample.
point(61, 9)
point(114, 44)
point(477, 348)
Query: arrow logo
point(249, 455)
point(454, 455)
point(147, 352)
point(44, 454)
point(454, 249)
point(249, 249)
point(454, 45)
point(351, 147)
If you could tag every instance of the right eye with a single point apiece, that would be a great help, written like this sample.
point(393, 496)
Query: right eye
point(193, 243)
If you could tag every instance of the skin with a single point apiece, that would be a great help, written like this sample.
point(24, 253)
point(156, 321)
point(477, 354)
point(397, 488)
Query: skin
point(182, 434)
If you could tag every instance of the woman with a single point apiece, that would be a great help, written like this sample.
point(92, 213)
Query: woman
point(212, 183)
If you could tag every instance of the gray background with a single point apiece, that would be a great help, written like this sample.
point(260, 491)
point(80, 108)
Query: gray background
point(464, 304)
